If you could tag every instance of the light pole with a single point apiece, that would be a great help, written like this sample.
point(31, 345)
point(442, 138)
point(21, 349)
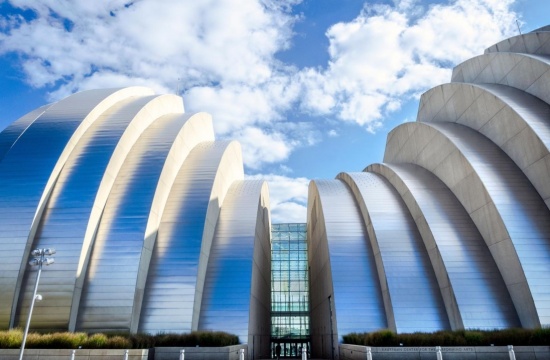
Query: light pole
point(39, 258)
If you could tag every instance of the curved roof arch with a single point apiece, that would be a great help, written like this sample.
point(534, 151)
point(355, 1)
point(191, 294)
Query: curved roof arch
point(411, 283)
point(526, 72)
point(343, 264)
point(503, 204)
point(41, 159)
point(125, 217)
point(90, 172)
point(537, 42)
point(180, 255)
point(514, 120)
point(237, 275)
point(474, 293)
point(150, 112)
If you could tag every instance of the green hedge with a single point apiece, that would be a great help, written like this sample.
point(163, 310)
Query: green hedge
point(12, 339)
point(517, 337)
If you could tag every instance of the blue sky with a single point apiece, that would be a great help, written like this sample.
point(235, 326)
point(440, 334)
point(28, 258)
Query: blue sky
point(310, 87)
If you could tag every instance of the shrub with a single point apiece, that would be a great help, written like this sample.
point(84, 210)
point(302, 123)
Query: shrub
point(118, 342)
point(516, 337)
point(96, 341)
point(142, 341)
point(11, 339)
point(200, 338)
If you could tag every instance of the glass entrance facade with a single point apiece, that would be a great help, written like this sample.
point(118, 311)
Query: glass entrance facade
point(289, 290)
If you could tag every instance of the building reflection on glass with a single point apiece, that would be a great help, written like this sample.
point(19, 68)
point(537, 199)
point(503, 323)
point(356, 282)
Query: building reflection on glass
point(289, 290)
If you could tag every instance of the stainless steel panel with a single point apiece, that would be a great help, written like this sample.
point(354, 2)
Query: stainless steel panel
point(120, 237)
point(357, 295)
point(456, 249)
point(530, 43)
point(24, 174)
point(411, 282)
point(73, 196)
point(228, 287)
point(514, 120)
point(12, 132)
point(168, 303)
point(506, 208)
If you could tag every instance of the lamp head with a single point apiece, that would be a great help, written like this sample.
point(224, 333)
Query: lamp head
point(34, 262)
point(36, 252)
point(48, 261)
point(49, 252)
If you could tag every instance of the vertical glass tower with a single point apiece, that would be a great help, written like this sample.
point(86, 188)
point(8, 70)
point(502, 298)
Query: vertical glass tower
point(289, 290)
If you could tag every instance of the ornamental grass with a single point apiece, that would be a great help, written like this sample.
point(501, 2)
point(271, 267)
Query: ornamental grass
point(516, 337)
point(11, 339)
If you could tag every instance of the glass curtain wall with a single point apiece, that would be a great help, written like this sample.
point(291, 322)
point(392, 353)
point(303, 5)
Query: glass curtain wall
point(289, 290)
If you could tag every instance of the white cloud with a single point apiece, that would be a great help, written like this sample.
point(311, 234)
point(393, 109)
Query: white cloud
point(287, 196)
point(221, 54)
point(389, 54)
point(261, 147)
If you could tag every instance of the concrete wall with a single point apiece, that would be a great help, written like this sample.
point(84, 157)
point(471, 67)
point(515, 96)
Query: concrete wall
point(198, 353)
point(161, 353)
point(354, 352)
point(81, 354)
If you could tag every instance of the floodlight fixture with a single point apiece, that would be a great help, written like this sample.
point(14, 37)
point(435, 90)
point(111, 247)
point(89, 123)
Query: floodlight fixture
point(39, 258)
point(34, 262)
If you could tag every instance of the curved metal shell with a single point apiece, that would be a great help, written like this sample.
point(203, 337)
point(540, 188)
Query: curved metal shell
point(514, 120)
point(507, 210)
point(28, 173)
point(173, 291)
point(120, 240)
point(409, 285)
point(525, 72)
point(90, 172)
point(536, 42)
point(12, 132)
point(345, 291)
point(121, 182)
point(238, 273)
point(474, 293)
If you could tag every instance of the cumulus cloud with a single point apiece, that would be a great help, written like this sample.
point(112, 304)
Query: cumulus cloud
point(222, 57)
point(219, 53)
point(263, 147)
point(332, 133)
point(389, 54)
point(287, 196)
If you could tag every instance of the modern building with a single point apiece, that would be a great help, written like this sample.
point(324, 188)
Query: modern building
point(157, 230)
point(452, 230)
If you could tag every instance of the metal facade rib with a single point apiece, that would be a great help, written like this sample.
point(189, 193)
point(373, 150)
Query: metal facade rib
point(339, 245)
point(525, 72)
point(175, 276)
point(505, 207)
point(68, 214)
point(120, 237)
point(411, 283)
point(28, 173)
point(228, 286)
point(514, 120)
point(473, 290)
